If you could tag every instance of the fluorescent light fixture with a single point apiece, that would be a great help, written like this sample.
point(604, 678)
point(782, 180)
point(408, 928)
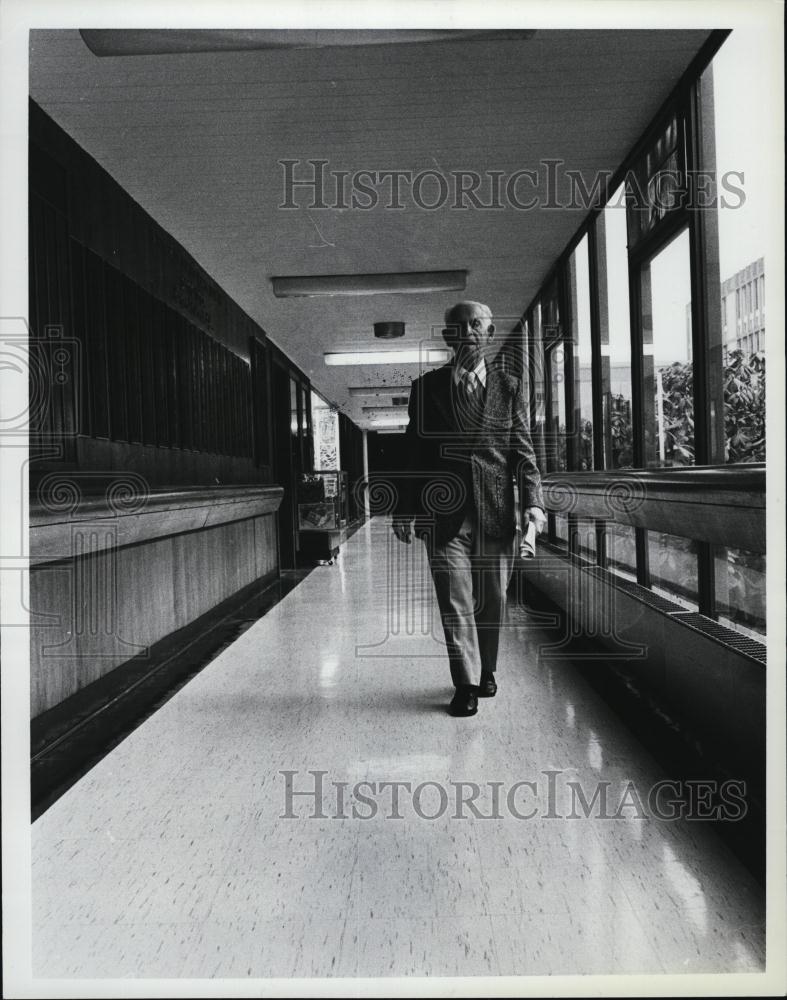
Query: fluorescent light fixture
point(385, 411)
point(411, 356)
point(378, 390)
point(389, 430)
point(369, 284)
point(155, 41)
point(373, 425)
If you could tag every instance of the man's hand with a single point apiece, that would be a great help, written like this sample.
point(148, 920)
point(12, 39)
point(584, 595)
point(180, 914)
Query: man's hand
point(401, 528)
point(537, 515)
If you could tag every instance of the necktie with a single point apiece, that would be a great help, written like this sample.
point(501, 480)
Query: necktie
point(470, 402)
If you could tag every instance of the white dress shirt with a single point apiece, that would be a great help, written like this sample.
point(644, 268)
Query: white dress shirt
point(478, 374)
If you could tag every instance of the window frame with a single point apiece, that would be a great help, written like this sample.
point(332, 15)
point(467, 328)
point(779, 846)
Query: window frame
point(692, 103)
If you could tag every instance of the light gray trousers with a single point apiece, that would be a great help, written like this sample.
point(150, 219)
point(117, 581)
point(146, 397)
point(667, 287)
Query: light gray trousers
point(471, 574)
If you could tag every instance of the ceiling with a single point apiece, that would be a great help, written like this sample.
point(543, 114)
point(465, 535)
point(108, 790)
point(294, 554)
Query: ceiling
point(196, 139)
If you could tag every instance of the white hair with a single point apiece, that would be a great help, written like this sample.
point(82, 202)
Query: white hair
point(480, 307)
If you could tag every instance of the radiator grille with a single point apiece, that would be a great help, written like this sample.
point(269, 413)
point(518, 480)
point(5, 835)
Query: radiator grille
point(729, 637)
point(741, 643)
point(655, 601)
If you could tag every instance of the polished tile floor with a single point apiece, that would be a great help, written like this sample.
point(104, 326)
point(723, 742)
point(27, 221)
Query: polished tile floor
point(170, 858)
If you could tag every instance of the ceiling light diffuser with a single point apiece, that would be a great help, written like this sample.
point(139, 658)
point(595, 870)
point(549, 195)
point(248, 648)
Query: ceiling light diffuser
point(396, 282)
point(411, 356)
point(398, 412)
point(377, 390)
point(155, 41)
point(373, 425)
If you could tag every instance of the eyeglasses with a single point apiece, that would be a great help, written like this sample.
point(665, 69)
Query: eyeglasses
point(477, 325)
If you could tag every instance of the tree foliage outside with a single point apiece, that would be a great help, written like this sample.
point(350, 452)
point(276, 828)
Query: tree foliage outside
point(621, 432)
point(744, 407)
point(677, 407)
point(744, 413)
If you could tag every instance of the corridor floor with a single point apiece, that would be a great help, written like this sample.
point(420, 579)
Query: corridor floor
point(170, 858)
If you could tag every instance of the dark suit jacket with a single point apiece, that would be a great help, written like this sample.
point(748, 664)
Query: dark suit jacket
point(462, 453)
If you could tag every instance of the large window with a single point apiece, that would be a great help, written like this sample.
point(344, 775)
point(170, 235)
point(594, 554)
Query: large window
point(579, 286)
point(740, 590)
point(535, 343)
point(561, 530)
point(615, 334)
point(740, 138)
point(741, 141)
point(673, 568)
point(648, 340)
point(667, 371)
point(555, 376)
point(556, 368)
point(585, 541)
point(621, 549)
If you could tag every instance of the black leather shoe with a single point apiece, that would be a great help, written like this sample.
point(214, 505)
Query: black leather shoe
point(464, 701)
point(488, 686)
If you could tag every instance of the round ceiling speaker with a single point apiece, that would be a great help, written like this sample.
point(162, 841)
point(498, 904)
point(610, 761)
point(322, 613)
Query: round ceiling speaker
point(387, 331)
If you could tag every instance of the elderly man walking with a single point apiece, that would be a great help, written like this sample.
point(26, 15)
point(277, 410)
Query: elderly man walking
point(467, 443)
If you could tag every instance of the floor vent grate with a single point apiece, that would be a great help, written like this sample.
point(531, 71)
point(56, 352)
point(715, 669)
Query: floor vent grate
point(635, 590)
point(740, 643)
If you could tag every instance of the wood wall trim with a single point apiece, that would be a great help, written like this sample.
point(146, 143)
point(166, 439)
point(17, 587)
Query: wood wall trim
point(94, 523)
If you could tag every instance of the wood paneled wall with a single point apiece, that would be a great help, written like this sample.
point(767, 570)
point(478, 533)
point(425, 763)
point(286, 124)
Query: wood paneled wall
point(139, 363)
point(93, 613)
point(149, 376)
point(134, 346)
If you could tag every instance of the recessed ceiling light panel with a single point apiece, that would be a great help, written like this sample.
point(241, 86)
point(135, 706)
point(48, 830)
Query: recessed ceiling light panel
point(154, 41)
point(412, 356)
point(397, 282)
point(384, 411)
point(377, 390)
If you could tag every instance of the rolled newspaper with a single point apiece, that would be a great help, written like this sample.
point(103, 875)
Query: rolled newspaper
point(527, 546)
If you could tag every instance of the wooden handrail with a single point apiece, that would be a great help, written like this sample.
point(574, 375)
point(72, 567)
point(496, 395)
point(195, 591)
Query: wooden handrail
point(722, 505)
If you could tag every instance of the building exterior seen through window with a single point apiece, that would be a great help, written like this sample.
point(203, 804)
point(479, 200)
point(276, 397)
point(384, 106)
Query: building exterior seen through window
point(741, 137)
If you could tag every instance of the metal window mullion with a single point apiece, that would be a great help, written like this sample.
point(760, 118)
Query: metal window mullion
point(643, 558)
point(707, 341)
point(595, 379)
point(706, 579)
point(601, 544)
point(699, 331)
point(635, 331)
point(595, 351)
point(550, 443)
point(637, 411)
point(566, 320)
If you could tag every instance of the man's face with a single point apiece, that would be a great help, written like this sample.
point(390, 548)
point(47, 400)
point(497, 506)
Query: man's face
point(467, 332)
